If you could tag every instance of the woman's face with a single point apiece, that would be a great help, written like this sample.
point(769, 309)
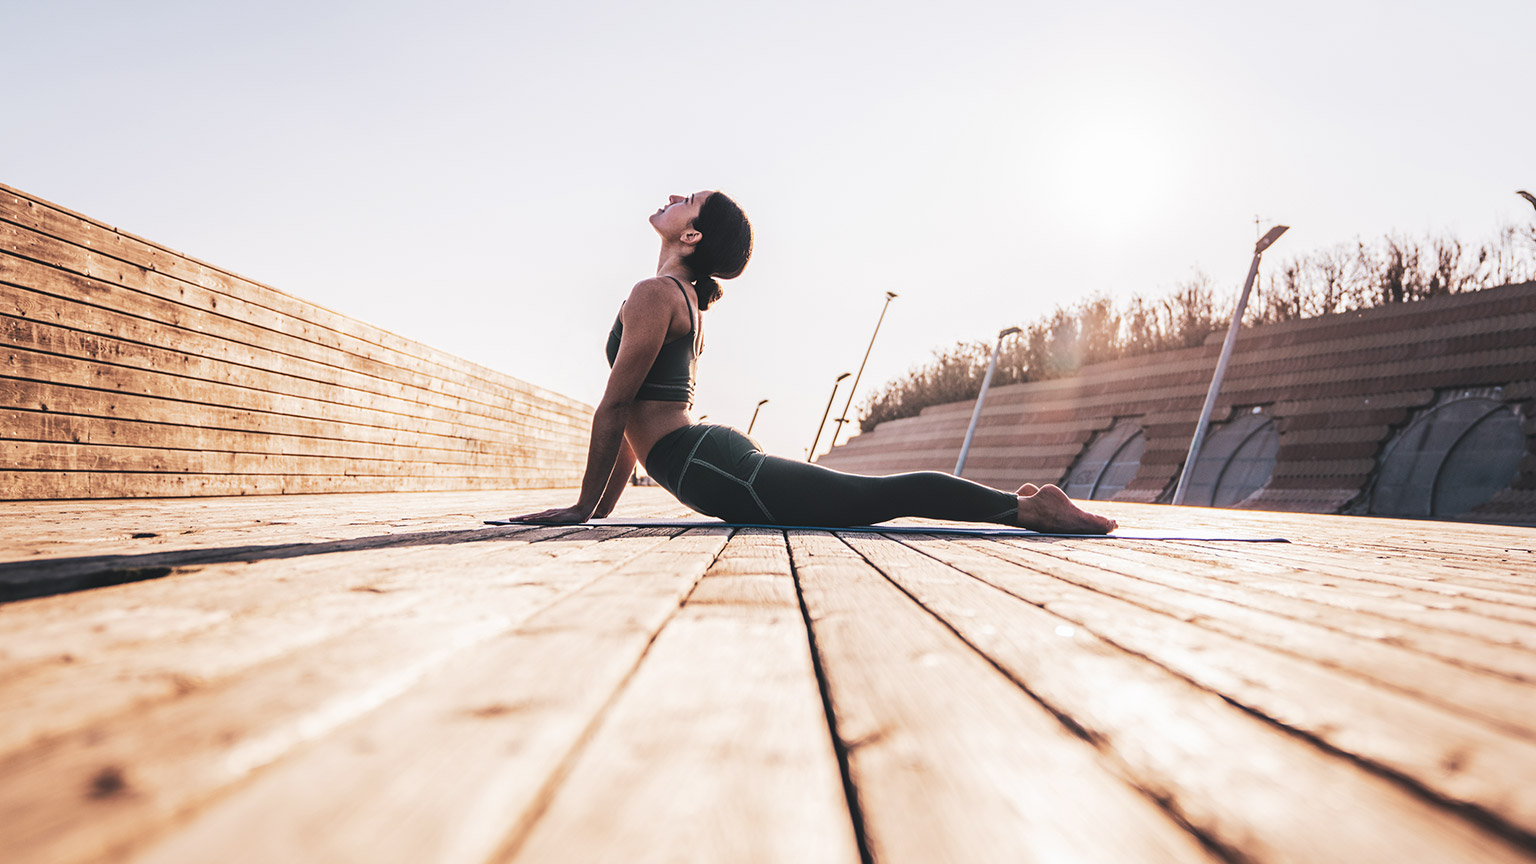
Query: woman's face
point(679, 213)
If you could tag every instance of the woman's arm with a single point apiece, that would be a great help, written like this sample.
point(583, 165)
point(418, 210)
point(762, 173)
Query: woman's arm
point(647, 317)
point(623, 469)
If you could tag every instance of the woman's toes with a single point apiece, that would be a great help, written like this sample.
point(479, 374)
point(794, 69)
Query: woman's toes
point(1027, 490)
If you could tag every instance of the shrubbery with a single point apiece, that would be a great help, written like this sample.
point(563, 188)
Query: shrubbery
point(1394, 269)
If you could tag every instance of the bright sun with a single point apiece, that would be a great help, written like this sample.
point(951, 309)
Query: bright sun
point(1111, 159)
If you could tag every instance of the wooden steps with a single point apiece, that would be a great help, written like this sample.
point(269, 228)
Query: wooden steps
point(131, 370)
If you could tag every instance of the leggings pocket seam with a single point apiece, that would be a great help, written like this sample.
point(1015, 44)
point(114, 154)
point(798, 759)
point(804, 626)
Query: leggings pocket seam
point(734, 479)
point(688, 463)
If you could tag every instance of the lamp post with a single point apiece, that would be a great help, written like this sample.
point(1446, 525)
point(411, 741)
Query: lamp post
point(1258, 230)
point(811, 454)
point(760, 404)
point(1221, 363)
point(889, 296)
point(981, 397)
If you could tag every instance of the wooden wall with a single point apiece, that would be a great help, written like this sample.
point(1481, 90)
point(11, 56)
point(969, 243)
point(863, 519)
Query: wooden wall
point(1338, 388)
point(133, 370)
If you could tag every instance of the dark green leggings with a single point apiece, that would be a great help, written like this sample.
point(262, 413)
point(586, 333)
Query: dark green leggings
point(721, 472)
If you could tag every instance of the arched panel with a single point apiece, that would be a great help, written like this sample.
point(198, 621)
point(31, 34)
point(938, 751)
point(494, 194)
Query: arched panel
point(1454, 456)
point(1236, 460)
point(1108, 464)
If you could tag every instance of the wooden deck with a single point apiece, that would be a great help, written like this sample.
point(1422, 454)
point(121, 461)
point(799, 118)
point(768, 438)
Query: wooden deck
point(381, 678)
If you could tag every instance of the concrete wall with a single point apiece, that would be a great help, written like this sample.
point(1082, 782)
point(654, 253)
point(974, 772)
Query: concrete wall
point(133, 370)
point(1339, 387)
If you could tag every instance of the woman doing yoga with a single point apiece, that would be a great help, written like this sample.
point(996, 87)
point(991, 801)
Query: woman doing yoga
point(653, 350)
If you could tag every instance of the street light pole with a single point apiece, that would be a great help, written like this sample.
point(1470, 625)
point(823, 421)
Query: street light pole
point(981, 397)
point(1221, 363)
point(889, 296)
point(760, 404)
point(811, 454)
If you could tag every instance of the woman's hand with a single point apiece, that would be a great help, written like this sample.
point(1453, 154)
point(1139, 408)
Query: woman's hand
point(556, 516)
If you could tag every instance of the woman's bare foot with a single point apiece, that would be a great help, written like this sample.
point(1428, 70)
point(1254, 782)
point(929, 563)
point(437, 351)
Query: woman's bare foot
point(1048, 509)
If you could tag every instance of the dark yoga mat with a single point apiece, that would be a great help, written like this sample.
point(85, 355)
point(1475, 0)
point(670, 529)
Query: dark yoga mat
point(959, 530)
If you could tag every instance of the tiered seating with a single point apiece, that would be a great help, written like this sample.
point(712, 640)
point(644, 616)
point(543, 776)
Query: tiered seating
point(1339, 387)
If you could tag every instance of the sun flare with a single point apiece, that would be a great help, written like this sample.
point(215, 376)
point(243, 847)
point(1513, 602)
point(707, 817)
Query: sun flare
point(1112, 156)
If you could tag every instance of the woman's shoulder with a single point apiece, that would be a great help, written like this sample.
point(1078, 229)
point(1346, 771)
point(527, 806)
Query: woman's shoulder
point(656, 289)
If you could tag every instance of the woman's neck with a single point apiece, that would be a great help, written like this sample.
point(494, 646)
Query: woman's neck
point(670, 263)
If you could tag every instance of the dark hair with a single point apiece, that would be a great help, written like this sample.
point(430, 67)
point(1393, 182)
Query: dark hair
point(723, 250)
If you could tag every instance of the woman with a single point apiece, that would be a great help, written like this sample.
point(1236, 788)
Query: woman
point(653, 350)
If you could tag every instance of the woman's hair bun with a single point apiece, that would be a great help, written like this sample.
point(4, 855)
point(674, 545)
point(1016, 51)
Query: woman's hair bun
point(724, 249)
point(708, 290)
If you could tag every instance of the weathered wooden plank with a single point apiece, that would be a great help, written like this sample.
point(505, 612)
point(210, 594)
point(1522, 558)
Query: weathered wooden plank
point(178, 353)
point(170, 756)
point(111, 431)
point(952, 761)
point(1471, 567)
point(193, 596)
point(44, 315)
point(455, 765)
point(1458, 758)
point(1498, 701)
point(277, 600)
point(101, 304)
point(1463, 640)
point(246, 389)
point(1426, 536)
point(103, 458)
point(1496, 558)
point(155, 542)
point(24, 396)
point(50, 534)
point(1246, 786)
point(1378, 588)
point(90, 249)
point(23, 485)
point(1488, 551)
point(717, 749)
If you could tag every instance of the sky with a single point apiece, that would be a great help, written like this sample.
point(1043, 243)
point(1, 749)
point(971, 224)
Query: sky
point(477, 175)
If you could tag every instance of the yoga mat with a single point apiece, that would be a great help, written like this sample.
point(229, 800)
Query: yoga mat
point(958, 530)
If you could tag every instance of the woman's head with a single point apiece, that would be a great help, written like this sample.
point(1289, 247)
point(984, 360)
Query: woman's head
point(723, 247)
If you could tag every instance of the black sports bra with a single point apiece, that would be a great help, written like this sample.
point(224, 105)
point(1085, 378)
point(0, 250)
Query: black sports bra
point(671, 376)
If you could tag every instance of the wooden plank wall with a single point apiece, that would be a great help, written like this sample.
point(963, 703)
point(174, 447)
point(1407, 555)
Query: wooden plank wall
point(133, 370)
point(1338, 387)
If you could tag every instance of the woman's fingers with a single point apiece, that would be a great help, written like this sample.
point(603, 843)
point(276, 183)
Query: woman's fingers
point(558, 514)
point(532, 517)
